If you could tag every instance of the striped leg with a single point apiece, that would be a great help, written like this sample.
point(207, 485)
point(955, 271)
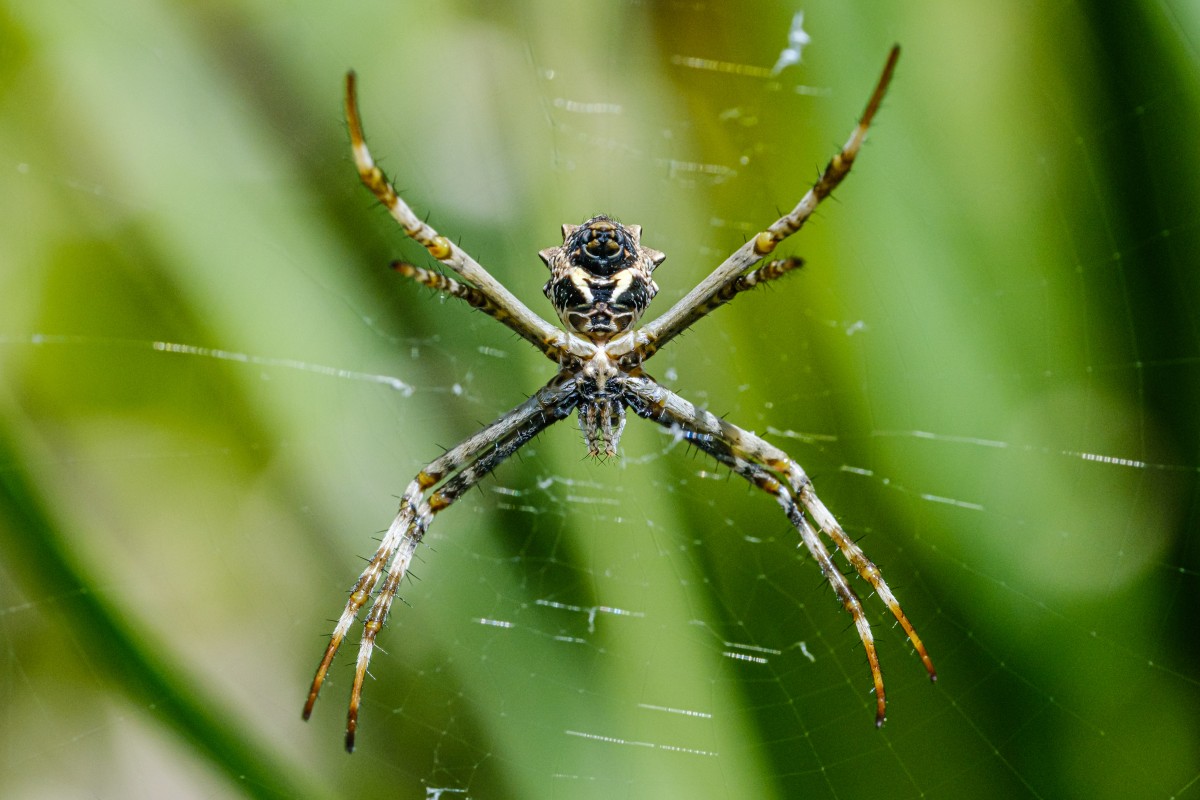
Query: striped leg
point(456, 470)
point(447, 285)
point(802, 487)
point(765, 480)
point(517, 316)
point(768, 468)
point(740, 283)
point(676, 319)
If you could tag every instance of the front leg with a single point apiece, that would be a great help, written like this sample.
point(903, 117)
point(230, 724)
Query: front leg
point(769, 468)
point(453, 473)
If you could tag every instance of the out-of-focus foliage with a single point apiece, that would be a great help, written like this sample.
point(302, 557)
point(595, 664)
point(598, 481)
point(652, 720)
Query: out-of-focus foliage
point(989, 365)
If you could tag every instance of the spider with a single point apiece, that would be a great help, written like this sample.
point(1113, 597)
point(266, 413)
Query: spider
point(601, 281)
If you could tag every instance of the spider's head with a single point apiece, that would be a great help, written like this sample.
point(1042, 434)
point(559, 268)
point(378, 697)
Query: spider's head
point(600, 277)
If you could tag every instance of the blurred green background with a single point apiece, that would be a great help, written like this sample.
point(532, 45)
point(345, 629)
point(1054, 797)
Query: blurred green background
point(212, 390)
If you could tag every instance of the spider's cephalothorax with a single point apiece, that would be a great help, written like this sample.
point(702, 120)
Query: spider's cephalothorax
point(600, 283)
point(600, 277)
point(601, 404)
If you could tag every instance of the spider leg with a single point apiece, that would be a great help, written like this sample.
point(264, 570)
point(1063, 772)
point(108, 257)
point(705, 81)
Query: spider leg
point(764, 465)
point(802, 487)
point(456, 470)
point(447, 285)
point(765, 480)
point(658, 332)
point(731, 289)
point(440, 500)
point(547, 338)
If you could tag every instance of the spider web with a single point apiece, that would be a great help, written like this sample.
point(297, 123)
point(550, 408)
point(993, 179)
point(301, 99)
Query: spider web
point(213, 390)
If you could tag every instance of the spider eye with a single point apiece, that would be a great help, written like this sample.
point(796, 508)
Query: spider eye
point(602, 247)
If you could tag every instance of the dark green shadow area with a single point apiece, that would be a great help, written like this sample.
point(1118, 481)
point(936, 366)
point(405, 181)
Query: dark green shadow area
point(30, 537)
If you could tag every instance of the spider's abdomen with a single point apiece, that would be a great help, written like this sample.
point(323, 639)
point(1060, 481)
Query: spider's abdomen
point(600, 307)
point(601, 246)
point(600, 278)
